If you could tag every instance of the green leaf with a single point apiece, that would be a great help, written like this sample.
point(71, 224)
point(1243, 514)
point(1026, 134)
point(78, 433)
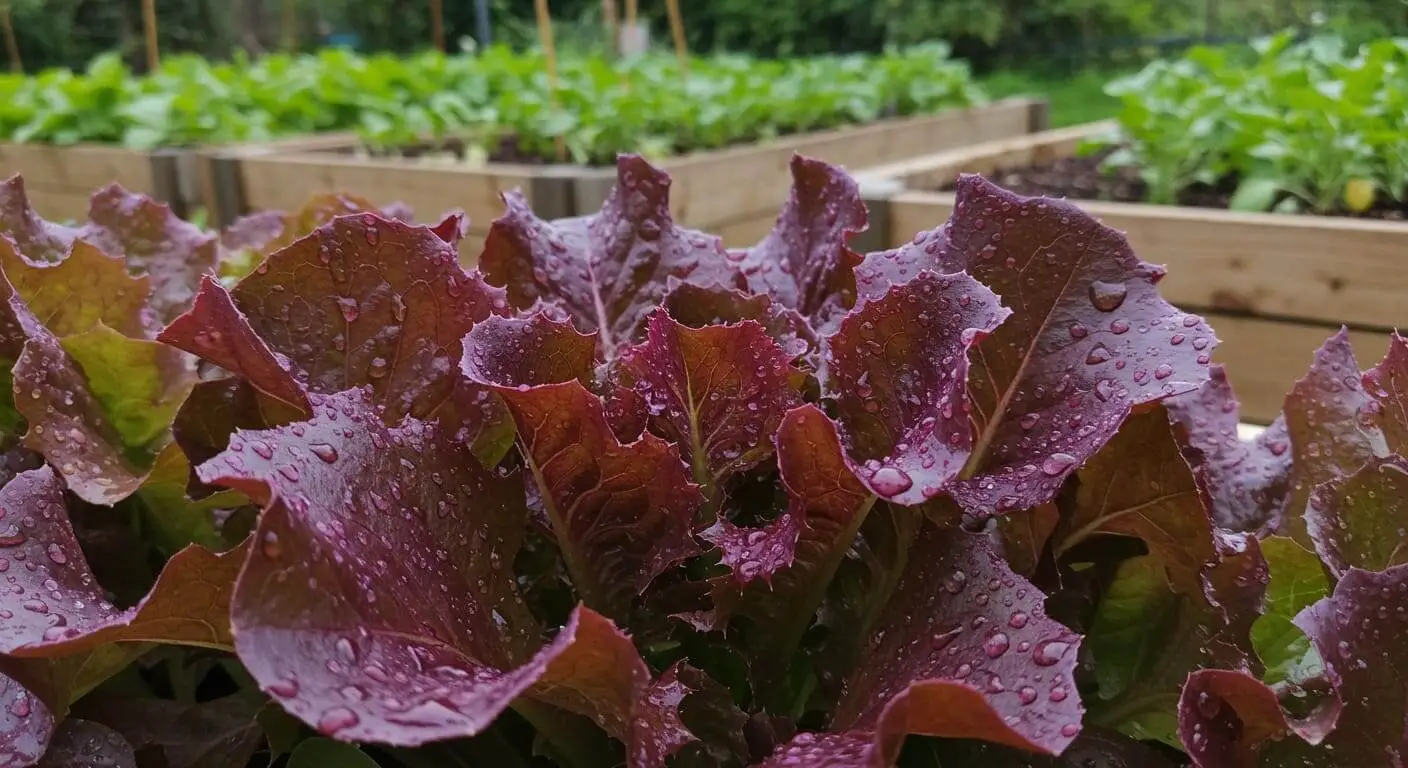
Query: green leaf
point(139, 384)
point(319, 752)
point(1255, 194)
point(1297, 580)
point(1131, 624)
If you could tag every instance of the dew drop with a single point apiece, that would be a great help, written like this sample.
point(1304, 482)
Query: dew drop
point(1048, 652)
point(56, 554)
point(324, 451)
point(1107, 297)
point(890, 481)
point(284, 689)
point(1027, 694)
point(996, 644)
point(337, 719)
point(1057, 463)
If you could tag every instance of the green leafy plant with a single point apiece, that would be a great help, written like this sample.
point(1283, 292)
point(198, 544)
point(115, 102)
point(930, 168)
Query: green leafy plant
point(1292, 124)
point(598, 109)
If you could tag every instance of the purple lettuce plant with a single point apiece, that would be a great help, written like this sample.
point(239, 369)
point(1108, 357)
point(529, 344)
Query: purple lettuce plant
point(308, 492)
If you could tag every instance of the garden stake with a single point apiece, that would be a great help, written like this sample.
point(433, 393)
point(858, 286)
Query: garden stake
point(437, 24)
point(672, 7)
point(613, 28)
point(290, 25)
point(545, 32)
point(149, 24)
point(11, 47)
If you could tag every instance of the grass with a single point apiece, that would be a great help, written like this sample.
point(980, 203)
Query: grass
point(1076, 98)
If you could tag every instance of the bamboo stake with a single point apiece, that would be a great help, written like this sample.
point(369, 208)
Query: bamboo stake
point(540, 7)
point(631, 17)
point(149, 25)
point(12, 48)
point(677, 31)
point(291, 25)
point(613, 27)
point(437, 24)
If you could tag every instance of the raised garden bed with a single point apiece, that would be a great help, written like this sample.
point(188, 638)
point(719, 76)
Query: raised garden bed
point(731, 191)
point(1274, 285)
point(60, 179)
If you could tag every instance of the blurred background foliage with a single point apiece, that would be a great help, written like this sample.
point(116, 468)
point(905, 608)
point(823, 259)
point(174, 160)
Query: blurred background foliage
point(993, 34)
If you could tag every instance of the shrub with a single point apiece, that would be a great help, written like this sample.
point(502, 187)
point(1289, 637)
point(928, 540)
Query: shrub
point(636, 498)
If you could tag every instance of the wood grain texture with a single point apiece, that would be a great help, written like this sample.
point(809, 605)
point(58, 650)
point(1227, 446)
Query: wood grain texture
point(1319, 269)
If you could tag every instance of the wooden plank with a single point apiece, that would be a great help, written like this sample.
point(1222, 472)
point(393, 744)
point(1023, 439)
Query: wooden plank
point(710, 188)
point(746, 232)
point(1264, 358)
point(76, 167)
point(934, 170)
point(65, 175)
point(1323, 269)
point(286, 181)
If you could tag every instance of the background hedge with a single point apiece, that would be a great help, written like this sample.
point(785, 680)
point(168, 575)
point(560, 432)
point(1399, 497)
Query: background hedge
point(992, 33)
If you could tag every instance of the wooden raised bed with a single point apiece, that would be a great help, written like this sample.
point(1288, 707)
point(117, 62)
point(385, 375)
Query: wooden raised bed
point(1273, 286)
point(60, 179)
point(734, 192)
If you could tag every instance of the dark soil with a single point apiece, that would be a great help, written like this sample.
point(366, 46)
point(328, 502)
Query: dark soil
point(1081, 178)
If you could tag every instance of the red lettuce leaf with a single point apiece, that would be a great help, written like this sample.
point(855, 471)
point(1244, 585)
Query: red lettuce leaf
point(222, 733)
point(1246, 481)
point(68, 426)
point(38, 239)
point(330, 612)
point(155, 242)
point(779, 573)
point(622, 513)
point(83, 289)
point(1336, 423)
point(1089, 338)
point(697, 306)
point(1022, 536)
point(211, 414)
point(898, 371)
point(1095, 747)
point(55, 607)
point(89, 745)
point(254, 232)
point(1230, 719)
point(1387, 383)
point(718, 392)
point(1359, 521)
point(804, 262)
point(1358, 630)
point(360, 301)
point(607, 270)
point(965, 650)
point(216, 330)
point(1140, 485)
point(26, 724)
